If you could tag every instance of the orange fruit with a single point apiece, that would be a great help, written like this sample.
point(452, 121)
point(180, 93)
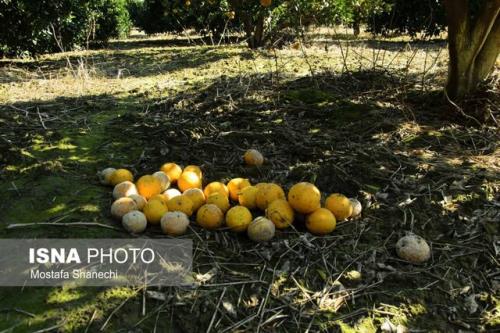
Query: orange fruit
point(194, 168)
point(164, 180)
point(253, 157)
point(120, 176)
point(220, 200)
point(174, 223)
point(197, 197)
point(188, 180)
point(304, 197)
point(134, 222)
point(238, 218)
point(216, 187)
point(162, 197)
point(154, 211)
point(105, 176)
point(209, 217)
point(122, 206)
point(246, 197)
point(235, 186)
point(124, 189)
point(267, 193)
point(321, 222)
point(171, 192)
point(140, 201)
point(148, 186)
point(261, 230)
point(172, 170)
point(280, 213)
point(181, 203)
point(339, 205)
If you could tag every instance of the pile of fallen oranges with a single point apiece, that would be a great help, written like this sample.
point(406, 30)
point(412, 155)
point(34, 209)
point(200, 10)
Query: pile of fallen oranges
point(153, 200)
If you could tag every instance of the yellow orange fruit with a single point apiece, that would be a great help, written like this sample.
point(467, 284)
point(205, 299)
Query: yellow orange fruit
point(321, 222)
point(215, 187)
point(174, 223)
point(119, 176)
point(220, 200)
point(105, 176)
point(124, 189)
point(171, 193)
point(162, 197)
point(172, 170)
point(253, 157)
point(164, 180)
point(181, 203)
point(134, 222)
point(196, 196)
point(188, 180)
point(267, 193)
point(209, 217)
point(280, 213)
point(148, 186)
point(238, 218)
point(339, 205)
point(304, 197)
point(140, 201)
point(154, 211)
point(235, 186)
point(265, 3)
point(194, 168)
point(122, 206)
point(246, 197)
point(261, 230)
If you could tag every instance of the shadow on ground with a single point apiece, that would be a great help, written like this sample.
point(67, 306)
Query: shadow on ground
point(412, 166)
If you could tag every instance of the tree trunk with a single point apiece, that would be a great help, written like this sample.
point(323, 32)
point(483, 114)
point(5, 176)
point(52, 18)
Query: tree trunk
point(473, 45)
point(254, 28)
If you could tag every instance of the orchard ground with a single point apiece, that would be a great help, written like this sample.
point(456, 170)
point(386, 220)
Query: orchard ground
point(359, 116)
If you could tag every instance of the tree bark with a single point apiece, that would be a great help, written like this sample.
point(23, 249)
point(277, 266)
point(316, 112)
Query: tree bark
point(473, 45)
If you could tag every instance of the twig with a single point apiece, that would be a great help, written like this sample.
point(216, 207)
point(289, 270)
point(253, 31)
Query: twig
point(69, 224)
point(216, 310)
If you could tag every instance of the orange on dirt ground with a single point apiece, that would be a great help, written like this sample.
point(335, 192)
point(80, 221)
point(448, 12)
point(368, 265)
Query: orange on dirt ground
point(339, 205)
point(188, 180)
point(238, 218)
point(267, 193)
point(321, 222)
point(119, 176)
point(209, 217)
point(246, 197)
point(220, 200)
point(148, 186)
point(235, 185)
point(154, 211)
point(172, 170)
point(215, 187)
point(304, 197)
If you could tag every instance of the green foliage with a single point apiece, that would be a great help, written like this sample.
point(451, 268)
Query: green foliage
point(156, 16)
point(408, 17)
point(112, 19)
point(30, 27)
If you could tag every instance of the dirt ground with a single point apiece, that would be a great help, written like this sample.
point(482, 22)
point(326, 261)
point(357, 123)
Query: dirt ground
point(362, 117)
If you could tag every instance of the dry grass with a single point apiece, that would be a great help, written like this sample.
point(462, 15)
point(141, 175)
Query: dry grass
point(362, 117)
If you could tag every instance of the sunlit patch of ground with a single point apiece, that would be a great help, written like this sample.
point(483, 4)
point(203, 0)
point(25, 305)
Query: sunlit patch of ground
point(358, 116)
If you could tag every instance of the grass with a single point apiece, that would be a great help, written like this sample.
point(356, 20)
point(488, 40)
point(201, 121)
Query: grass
point(359, 117)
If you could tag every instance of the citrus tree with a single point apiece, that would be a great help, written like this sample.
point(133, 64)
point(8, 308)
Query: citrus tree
point(156, 16)
point(263, 20)
point(29, 27)
point(473, 44)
